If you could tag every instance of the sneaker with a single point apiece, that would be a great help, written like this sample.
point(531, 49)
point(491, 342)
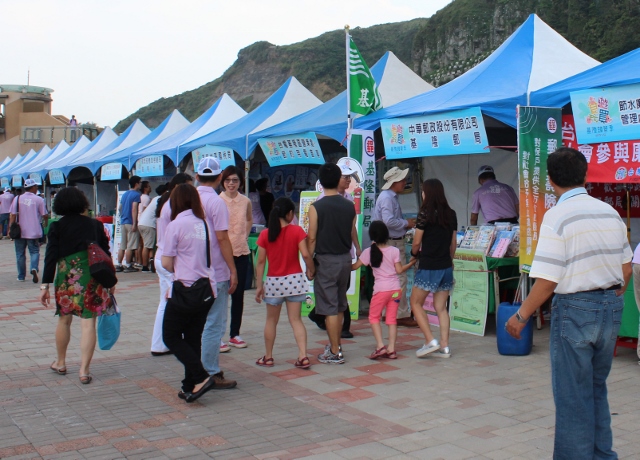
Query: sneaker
point(221, 383)
point(34, 273)
point(224, 347)
point(443, 353)
point(22, 281)
point(130, 269)
point(330, 358)
point(428, 348)
point(137, 265)
point(145, 270)
point(119, 268)
point(152, 266)
point(237, 342)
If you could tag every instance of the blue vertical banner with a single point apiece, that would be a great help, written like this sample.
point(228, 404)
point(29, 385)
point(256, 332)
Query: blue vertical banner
point(150, 166)
point(448, 133)
point(300, 148)
point(224, 155)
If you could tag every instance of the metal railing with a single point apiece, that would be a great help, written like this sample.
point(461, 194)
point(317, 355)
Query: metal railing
point(55, 134)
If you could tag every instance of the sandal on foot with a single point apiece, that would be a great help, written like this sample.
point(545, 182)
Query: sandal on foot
point(264, 361)
point(86, 379)
point(392, 355)
point(58, 370)
point(303, 363)
point(379, 353)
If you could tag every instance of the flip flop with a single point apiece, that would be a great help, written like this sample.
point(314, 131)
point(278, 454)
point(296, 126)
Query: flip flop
point(303, 363)
point(58, 370)
point(265, 362)
point(379, 353)
point(86, 379)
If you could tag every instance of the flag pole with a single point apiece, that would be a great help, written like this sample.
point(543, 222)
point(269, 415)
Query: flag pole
point(347, 48)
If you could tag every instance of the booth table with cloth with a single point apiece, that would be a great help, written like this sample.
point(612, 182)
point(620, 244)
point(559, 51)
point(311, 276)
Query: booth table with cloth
point(503, 270)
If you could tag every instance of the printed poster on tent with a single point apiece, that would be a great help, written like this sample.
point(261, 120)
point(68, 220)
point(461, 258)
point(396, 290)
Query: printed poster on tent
point(56, 177)
point(300, 148)
point(4, 183)
point(150, 166)
point(456, 132)
point(111, 171)
point(224, 155)
point(607, 114)
point(539, 134)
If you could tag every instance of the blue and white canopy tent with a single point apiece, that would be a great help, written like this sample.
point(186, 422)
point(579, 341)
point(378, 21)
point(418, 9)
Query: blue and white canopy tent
point(63, 157)
point(224, 111)
point(32, 158)
point(105, 138)
point(26, 169)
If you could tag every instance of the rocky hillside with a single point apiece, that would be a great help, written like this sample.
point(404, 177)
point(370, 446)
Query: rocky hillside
point(439, 49)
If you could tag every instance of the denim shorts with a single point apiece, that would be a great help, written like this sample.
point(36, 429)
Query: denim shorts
point(277, 301)
point(434, 280)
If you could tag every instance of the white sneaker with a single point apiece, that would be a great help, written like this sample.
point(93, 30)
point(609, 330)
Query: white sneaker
point(428, 348)
point(224, 347)
point(444, 352)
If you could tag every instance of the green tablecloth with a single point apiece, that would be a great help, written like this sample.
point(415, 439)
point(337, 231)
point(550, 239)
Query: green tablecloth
point(630, 315)
point(507, 267)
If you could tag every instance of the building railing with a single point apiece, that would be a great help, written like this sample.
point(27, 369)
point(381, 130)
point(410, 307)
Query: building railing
point(55, 134)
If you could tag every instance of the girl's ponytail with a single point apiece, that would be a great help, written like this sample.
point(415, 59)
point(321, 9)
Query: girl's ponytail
point(379, 234)
point(281, 207)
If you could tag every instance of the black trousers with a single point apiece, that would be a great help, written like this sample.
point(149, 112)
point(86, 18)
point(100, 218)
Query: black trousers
point(182, 334)
point(237, 298)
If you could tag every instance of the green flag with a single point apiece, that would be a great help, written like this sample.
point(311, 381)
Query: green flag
point(363, 90)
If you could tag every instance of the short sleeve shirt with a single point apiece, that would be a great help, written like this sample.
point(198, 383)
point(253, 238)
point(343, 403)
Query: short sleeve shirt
point(282, 254)
point(144, 203)
point(238, 208)
point(435, 253)
point(5, 202)
point(496, 200)
point(126, 206)
point(218, 220)
point(148, 217)
point(386, 278)
point(32, 209)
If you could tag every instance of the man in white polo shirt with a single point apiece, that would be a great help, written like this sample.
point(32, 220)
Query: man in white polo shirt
point(27, 209)
point(583, 256)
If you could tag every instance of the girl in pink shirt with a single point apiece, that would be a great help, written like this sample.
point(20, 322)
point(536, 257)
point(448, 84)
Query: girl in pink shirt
point(386, 265)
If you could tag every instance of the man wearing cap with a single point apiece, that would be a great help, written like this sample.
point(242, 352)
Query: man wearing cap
point(388, 210)
point(5, 205)
point(27, 209)
point(217, 213)
point(498, 201)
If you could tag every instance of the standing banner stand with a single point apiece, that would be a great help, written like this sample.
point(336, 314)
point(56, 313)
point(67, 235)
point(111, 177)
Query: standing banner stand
point(470, 296)
point(117, 233)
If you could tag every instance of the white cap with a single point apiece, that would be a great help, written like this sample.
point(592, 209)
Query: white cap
point(209, 167)
point(485, 169)
point(29, 183)
point(394, 175)
point(348, 167)
point(7, 189)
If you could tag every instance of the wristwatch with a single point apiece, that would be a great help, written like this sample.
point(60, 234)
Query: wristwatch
point(520, 319)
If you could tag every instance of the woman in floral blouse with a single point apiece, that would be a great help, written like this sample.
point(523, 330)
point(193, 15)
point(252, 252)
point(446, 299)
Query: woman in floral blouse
point(76, 292)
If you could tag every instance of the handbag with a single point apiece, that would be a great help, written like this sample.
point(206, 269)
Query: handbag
point(15, 232)
point(108, 327)
point(101, 266)
point(197, 297)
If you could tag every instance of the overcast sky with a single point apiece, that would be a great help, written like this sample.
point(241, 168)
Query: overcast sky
point(107, 58)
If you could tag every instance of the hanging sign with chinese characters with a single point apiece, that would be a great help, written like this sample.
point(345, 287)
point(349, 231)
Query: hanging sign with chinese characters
point(16, 181)
point(448, 133)
point(111, 171)
point(607, 114)
point(56, 177)
point(224, 155)
point(150, 166)
point(362, 148)
point(609, 162)
point(4, 183)
point(539, 134)
point(300, 148)
point(36, 177)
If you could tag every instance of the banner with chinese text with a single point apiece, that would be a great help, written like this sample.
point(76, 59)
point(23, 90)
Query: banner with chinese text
point(449, 133)
point(36, 177)
point(224, 155)
point(539, 134)
point(300, 148)
point(607, 114)
point(56, 177)
point(4, 183)
point(150, 166)
point(469, 299)
point(362, 148)
point(111, 171)
point(16, 181)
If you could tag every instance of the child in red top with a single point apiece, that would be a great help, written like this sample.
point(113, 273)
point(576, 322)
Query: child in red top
point(280, 242)
point(386, 265)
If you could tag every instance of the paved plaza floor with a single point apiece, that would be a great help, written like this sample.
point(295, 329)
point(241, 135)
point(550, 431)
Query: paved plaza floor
point(475, 405)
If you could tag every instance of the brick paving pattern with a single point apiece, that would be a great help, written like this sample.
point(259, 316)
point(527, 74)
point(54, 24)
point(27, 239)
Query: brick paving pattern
point(475, 405)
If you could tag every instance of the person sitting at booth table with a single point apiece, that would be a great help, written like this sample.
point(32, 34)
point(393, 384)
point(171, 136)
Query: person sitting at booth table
point(498, 201)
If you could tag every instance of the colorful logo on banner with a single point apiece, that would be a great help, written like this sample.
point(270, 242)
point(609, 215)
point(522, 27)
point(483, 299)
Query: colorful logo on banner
point(111, 171)
point(362, 147)
point(16, 181)
point(151, 166)
point(300, 148)
point(4, 183)
point(539, 134)
point(607, 114)
point(36, 177)
point(609, 162)
point(56, 177)
point(448, 133)
point(224, 155)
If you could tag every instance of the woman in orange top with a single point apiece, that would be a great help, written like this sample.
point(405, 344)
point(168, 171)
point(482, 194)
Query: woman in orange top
point(240, 223)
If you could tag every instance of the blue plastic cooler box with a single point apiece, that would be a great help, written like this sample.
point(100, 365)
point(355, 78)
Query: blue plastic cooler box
point(507, 345)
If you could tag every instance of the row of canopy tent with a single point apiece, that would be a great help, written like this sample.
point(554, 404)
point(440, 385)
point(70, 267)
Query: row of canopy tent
point(534, 66)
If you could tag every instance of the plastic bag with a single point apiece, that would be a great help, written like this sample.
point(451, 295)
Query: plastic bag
point(109, 327)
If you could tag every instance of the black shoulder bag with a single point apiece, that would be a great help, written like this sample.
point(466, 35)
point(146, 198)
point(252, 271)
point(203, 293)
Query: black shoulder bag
point(197, 297)
point(15, 233)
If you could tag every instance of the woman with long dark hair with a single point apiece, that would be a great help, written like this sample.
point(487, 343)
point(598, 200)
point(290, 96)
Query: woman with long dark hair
point(434, 245)
point(281, 243)
point(185, 255)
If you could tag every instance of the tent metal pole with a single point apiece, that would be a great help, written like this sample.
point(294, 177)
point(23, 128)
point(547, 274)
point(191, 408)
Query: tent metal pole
point(347, 49)
point(95, 196)
point(246, 177)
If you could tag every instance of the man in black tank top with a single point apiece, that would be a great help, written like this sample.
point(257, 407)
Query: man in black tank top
point(331, 221)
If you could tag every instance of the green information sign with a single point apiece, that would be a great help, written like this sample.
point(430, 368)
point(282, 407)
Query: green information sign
point(468, 309)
